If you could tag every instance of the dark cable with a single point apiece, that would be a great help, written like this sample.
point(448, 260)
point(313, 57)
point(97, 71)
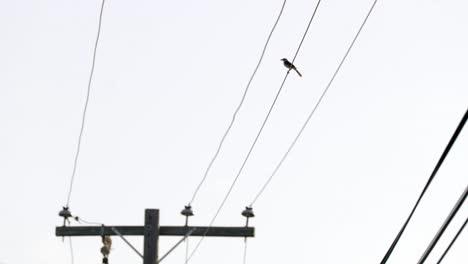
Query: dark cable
point(452, 242)
point(75, 164)
point(444, 226)
point(253, 144)
point(434, 172)
point(220, 145)
point(314, 109)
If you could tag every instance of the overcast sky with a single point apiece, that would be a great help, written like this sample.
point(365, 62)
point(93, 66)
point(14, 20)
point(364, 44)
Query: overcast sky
point(169, 75)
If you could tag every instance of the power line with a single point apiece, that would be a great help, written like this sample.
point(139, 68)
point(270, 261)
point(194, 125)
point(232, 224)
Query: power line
point(72, 254)
point(444, 226)
point(244, 258)
point(220, 145)
point(77, 153)
point(452, 242)
point(78, 147)
point(255, 140)
point(314, 109)
point(186, 250)
point(434, 172)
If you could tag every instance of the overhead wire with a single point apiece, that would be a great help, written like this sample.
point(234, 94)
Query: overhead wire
point(262, 189)
point(221, 143)
point(246, 158)
point(428, 183)
point(187, 248)
point(444, 226)
point(244, 257)
point(83, 120)
point(85, 109)
point(72, 253)
point(452, 242)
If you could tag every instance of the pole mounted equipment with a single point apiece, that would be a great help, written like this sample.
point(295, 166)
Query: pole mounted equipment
point(248, 213)
point(151, 231)
point(187, 212)
point(65, 213)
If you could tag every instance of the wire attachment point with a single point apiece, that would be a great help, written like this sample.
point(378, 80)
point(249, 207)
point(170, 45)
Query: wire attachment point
point(65, 213)
point(187, 212)
point(248, 213)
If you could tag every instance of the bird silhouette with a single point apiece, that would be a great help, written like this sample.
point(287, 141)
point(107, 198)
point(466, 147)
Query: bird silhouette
point(290, 66)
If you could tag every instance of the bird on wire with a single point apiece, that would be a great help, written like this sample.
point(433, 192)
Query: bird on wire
point(290, 66)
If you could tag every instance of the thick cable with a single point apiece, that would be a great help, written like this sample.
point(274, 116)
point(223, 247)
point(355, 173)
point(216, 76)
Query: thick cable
point(85, 109)
point(231, 187)
point(452, 242)
point(220, 145)
point(433, 174)
point(314, 109)
point(444, 226)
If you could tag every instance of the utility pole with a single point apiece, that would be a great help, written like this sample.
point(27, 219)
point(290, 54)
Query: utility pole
point(151, 232)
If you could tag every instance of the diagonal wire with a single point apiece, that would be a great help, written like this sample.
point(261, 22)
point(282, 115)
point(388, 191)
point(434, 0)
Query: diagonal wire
point(220, 145)
point(78, 147)
point(254, 142)
point(314, 109)
point(433, 174)
point(452, 242)
point(444, 226)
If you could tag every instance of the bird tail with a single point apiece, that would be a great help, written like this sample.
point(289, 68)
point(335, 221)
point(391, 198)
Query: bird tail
point(298, 72)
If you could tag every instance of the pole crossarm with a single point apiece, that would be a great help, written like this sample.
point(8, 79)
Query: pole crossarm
point(151, 232)
point(163, 231)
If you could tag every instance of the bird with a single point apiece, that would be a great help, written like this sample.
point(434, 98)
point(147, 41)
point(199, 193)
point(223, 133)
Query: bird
point(290, 66)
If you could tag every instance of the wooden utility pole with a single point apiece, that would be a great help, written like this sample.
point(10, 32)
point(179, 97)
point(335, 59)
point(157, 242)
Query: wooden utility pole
point(151, 232)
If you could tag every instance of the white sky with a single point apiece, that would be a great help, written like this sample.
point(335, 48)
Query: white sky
point(168, 77)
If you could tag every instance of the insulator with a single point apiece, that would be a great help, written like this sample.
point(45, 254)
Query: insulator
point(187, 211)
point(65, 213)
point(248, 212)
